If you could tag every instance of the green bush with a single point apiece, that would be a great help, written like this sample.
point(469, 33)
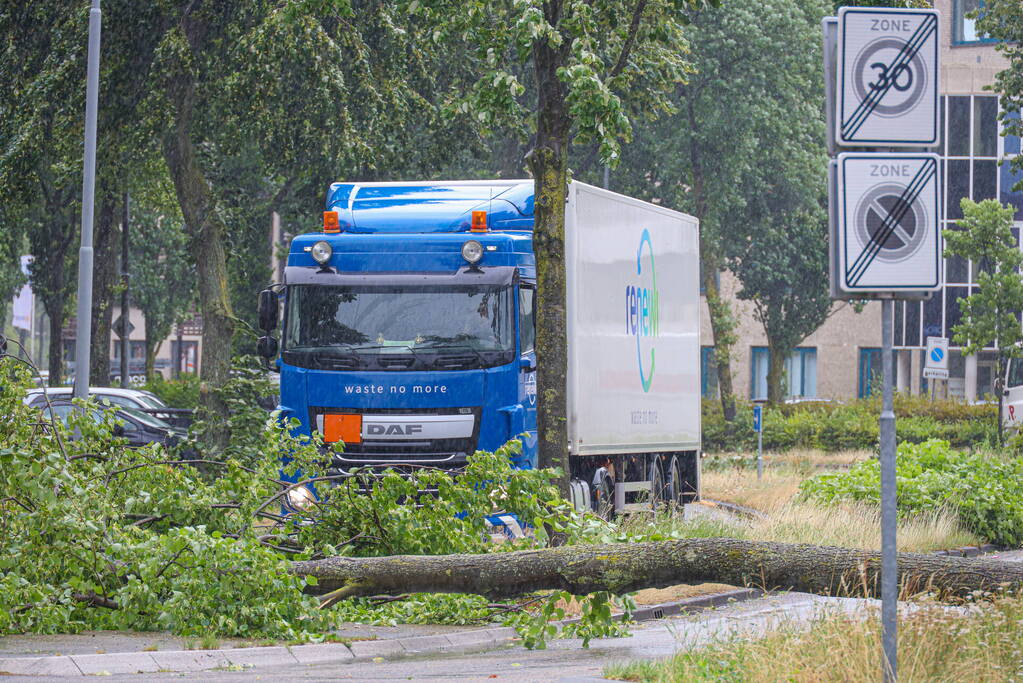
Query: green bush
point(833, 426)
point(182, 392)
point(985, 490)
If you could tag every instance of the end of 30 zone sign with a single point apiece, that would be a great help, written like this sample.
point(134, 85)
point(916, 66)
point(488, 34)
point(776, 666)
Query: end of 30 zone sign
point(887, 77)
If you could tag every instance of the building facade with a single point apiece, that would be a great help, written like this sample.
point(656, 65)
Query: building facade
point(842, 359)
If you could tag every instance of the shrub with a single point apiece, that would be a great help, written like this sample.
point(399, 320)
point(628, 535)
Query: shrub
point(986, 491)
point(833, 426)
point(182, 392)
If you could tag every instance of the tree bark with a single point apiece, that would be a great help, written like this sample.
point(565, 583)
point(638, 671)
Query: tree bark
point(775, 373)
point(152, 348)
point(624, 568)
point(104, 279)
point(549, 163)
point(722, 327)
point(722, 324)
point(207, 234)
point(55, 309)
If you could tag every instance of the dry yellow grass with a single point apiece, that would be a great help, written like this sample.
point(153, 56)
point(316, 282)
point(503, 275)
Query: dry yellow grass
point(789, 520)
point(934, 645)
point(858, 526)
point(782, 475)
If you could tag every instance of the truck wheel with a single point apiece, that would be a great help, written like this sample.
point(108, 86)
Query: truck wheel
point(656, 477)
point(674, 487)
point(604, 495)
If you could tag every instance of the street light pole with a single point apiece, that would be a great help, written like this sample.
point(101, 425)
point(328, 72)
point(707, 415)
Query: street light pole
point(125, 310)
point(83, 334)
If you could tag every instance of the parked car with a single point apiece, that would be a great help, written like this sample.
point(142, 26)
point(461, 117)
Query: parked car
point(137, 427)
point(146, 401)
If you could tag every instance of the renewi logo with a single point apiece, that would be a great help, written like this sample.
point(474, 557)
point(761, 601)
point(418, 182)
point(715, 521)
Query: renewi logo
point(643, 309)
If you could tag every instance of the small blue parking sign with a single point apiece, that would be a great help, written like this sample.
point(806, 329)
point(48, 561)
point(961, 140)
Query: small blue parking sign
point(758, 422)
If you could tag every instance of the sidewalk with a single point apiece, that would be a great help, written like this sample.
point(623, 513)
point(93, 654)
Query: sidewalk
point(112, 652)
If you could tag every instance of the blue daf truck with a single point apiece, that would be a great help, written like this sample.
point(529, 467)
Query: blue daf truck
point(408, 334)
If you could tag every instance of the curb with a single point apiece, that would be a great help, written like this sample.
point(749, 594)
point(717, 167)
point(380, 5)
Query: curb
point(236, 659)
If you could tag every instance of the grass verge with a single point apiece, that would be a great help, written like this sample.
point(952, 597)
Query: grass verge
point(935, 644)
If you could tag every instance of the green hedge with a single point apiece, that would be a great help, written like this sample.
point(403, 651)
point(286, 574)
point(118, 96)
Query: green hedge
point(985, 490)
point(176, 393)
point(834, 426)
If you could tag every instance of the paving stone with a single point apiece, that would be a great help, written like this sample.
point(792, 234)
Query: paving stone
point(425, 644)
point(319, 653)
point(261, 656)
point(472, 640)
point(504, 634)
point(39, 666)
point(121, 663)
point(190, 660)
point(367, 649)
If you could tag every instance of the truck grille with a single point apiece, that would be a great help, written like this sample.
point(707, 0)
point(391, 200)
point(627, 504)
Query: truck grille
point(450, 453)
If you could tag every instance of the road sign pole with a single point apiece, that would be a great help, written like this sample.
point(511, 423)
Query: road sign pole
point(889, 565)
point(83, 333)
point(758, 427)
point(829, 28)
point(760, 455)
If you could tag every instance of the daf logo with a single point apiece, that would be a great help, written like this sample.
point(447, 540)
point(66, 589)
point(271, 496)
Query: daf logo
point(387, 430)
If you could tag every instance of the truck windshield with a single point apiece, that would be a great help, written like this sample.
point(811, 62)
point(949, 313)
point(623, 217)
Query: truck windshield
point(397, 328)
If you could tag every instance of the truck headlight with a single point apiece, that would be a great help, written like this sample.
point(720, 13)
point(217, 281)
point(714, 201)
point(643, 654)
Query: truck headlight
point(301, 498)
point(472, 251)
point(322, 252)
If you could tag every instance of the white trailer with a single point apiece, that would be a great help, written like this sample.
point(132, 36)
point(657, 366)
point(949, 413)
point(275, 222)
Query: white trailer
point(634, 349)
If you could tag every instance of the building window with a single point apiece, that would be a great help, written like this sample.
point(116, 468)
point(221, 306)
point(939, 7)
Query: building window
point(975, 159)
point(708, 373)
point(870, 372)
point(136, 350)
point(188, 355)
point(760, 363)
point(800, 373)
point(964, 29)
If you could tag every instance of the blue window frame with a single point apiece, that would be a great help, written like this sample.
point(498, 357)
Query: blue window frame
point(708, 373)
point(870, 371)
point(800, 373)
point(964, 29)
point(760, 363)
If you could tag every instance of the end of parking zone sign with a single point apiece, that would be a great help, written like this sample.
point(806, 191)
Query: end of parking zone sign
point(889, 233)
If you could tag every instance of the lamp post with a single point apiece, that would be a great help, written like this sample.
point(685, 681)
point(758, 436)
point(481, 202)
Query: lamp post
point(83, 334)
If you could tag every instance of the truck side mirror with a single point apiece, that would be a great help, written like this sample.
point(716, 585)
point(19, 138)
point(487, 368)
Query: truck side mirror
point(267, 310)
point(267, 347)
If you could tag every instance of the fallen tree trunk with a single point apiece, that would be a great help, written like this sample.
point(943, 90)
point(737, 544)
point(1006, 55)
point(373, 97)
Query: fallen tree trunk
point(628, 567)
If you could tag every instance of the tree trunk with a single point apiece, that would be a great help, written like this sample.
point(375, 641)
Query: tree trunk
point(722, 323)
point(152, 348)
point(207, 233)
point(629, 567)
point(55, 359)
point(776, 373)
point(549, 164)
point(722, 328)
point(1000, 387)
point(104, 278)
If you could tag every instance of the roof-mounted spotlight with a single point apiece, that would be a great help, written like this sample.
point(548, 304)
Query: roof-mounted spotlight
point(321, 252)
point(472, 252)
